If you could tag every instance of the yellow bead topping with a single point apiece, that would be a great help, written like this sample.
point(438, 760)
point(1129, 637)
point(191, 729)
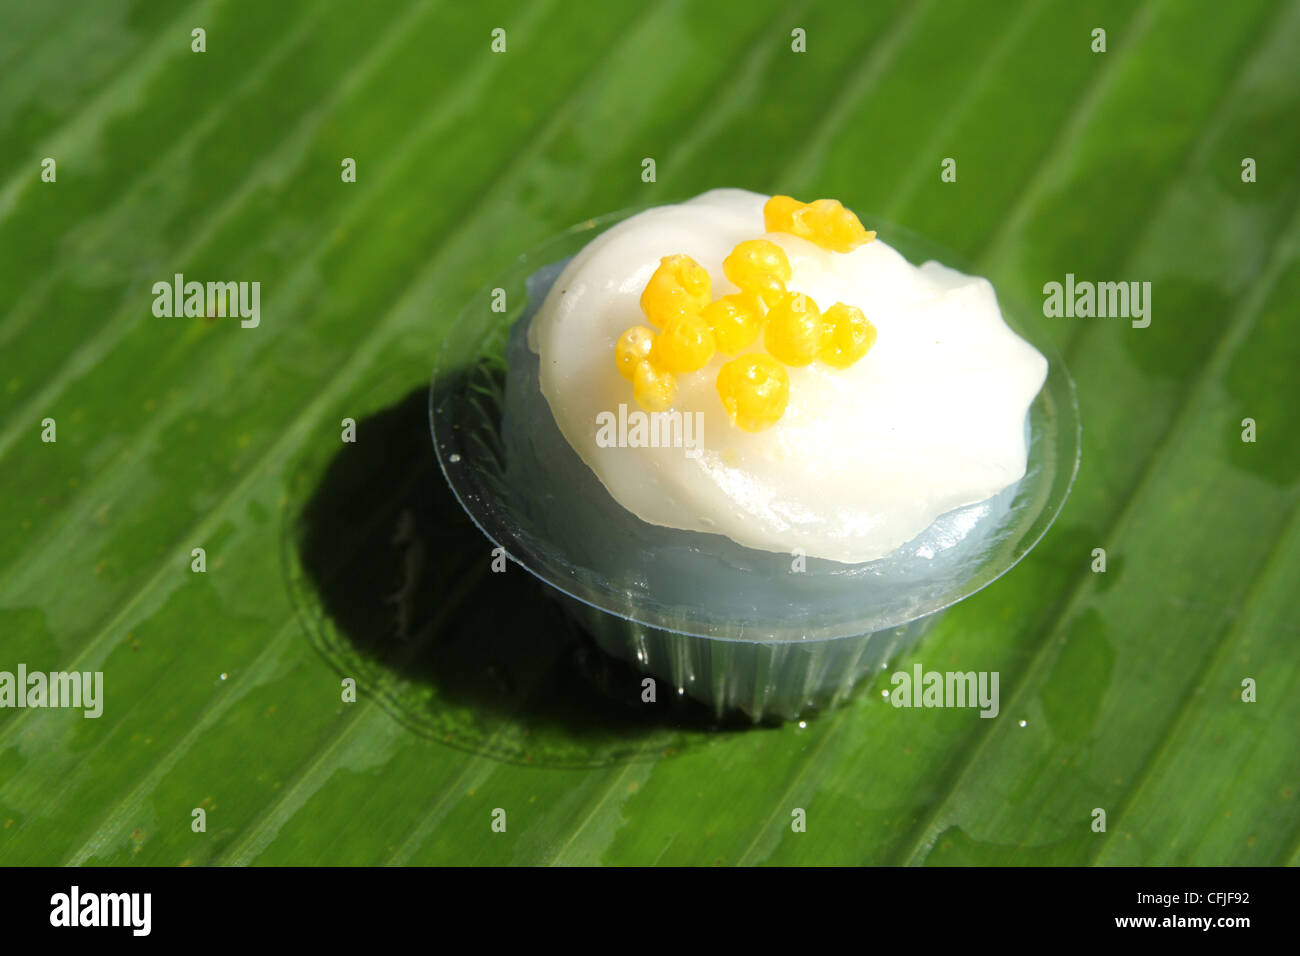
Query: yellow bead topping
point(824, 222)
point(760, 268)
point(685, 345)
point(755, 390)
point(755, 262)
point(735, 321)
point(633, 348)
point(794, 330)
point(846, 336)
point(778, 214)
point(754, 387)
point(678, 287)
point(654, 388)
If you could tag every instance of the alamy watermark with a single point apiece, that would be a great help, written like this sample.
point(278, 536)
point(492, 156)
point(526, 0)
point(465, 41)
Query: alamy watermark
point(1084, 300)
point(213, 300)
point(130, 910)
point(922, 688)
point(637, 429)
point(82, 690)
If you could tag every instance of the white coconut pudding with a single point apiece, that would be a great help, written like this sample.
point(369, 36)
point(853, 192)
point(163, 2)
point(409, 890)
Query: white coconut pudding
point(813, 392)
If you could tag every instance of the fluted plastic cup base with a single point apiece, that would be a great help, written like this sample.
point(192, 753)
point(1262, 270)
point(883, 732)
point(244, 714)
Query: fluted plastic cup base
point(764, 680)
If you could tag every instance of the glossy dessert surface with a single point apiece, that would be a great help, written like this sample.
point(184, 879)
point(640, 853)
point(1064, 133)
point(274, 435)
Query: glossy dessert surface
point(865, 455)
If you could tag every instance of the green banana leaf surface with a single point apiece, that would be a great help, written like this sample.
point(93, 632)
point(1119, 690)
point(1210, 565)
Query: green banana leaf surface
point(1160, 690)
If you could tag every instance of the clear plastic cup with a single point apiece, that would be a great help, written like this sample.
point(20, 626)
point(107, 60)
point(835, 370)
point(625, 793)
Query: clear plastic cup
point(772, 635)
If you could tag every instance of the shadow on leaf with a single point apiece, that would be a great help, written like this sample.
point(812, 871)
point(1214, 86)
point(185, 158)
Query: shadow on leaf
point(398, 590)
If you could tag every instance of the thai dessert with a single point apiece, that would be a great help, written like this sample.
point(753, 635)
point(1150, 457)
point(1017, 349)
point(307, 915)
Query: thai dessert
point(752, 447)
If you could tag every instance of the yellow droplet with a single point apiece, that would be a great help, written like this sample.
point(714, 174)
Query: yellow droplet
point(846, 335)
point(768, 291)
point(654, 388)
point(846, 233)
point(735, 322)
point(832, 226)
point(685, 345)
point(679, 286)
point(818, 215)
point(755, 391)
point(824, 221)
point(794, 330)
point(754, 262)
point(633, 347)
point(778, 213)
